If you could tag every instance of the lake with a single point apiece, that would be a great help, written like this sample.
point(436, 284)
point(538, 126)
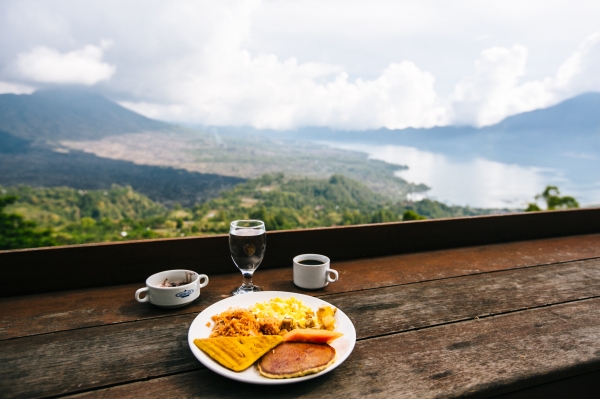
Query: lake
point(475, 181)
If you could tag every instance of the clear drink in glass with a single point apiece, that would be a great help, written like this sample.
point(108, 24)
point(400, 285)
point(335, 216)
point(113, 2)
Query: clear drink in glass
point(247, 243)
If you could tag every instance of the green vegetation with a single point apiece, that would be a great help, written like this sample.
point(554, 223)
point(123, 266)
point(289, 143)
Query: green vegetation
point(71, 216)
point(16, 233)
point(75, 216)
point(303, 203)
point(553, 200)
point(412, 215)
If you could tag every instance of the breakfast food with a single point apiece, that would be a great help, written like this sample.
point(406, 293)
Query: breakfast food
point(311, 335)
point(276, 316)
point(238, 353)
point(291, 312)
point(235, 323)
point(288, 337)
point(325, 317)
point(296, 359)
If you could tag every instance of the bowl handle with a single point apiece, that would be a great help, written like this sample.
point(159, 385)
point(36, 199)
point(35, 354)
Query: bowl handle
point(139, 292)
point(205, 283)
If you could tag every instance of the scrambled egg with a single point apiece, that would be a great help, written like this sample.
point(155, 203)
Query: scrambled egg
point(290, 308)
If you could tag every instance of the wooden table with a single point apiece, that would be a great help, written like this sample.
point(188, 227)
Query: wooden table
point(517, 319)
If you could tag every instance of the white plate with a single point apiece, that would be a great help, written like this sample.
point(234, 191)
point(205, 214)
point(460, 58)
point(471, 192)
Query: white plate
point(199, 329)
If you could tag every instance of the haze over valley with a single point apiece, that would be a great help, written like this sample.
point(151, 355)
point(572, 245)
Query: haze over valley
point(499, 166)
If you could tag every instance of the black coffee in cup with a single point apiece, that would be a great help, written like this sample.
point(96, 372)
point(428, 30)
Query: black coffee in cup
point(312, 271)
point(311, 262)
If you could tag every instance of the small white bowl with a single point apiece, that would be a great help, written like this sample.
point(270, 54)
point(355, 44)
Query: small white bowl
point(172, 297)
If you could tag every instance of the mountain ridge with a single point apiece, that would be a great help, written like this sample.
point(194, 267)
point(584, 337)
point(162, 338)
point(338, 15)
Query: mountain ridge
point(564, 138)
point(577, 114)
point(41, 166)
point(60, 114)
point(67, 114)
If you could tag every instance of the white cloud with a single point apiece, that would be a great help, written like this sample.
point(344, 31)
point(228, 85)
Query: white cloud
point(495, 92)
point(224, 84)
point(267, 93)
point(580, 72)
point(488, 94)
point(285, 64)
point(15, 88)
point(47, 65)
point(232, 87)
point(221, 82)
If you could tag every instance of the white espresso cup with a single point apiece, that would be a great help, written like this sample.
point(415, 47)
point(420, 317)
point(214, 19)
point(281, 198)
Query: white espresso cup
point(311, 271)
point(172, 297)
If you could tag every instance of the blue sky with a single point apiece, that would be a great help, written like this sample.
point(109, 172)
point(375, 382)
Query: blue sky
point(286, 64)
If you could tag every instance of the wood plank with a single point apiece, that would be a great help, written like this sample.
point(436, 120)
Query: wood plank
point(82, 359)
point(402, 308)
point(43, 313)
point(55, 364)
point(479, 358)
point(58, 269)
point(581, 386)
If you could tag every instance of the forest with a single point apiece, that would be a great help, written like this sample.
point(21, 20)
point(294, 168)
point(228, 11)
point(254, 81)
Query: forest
point(63, 216)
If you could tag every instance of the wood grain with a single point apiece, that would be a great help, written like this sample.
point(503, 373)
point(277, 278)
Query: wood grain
point(54, 364)
point(402, 308)
point(581, 386)
point(58, 311)
point(94, 265)
point(88, 358)
point(479, 358)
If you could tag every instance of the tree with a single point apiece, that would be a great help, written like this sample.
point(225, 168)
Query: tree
point(383, 216)
point(551, 196)
point(532, 207)
point(16, 232)
point(412, 215)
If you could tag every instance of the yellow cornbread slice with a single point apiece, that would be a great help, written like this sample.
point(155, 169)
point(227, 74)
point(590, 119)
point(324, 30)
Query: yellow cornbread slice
point(238, 353)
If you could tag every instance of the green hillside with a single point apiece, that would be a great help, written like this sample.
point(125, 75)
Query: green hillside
point(55, 206)
point(78, 216)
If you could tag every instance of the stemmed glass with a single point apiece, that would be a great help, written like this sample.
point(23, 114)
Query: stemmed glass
point(247, 242)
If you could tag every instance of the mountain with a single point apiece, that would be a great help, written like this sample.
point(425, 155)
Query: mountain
point(579, 114)
point(41, 166)
point(37, 132)
point(52, 115)
point(559, 145)
point(12, 145)
point(569, 129)
point(28, 123)
point(564, 138)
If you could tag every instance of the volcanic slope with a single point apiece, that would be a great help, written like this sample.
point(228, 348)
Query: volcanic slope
point(23, 163)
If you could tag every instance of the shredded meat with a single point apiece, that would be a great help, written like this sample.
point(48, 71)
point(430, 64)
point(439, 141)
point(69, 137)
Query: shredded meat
point(235, 323)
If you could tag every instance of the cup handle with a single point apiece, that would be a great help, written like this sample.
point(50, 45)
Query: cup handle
point(205, 283)
point(139, 292)
point(335, 273)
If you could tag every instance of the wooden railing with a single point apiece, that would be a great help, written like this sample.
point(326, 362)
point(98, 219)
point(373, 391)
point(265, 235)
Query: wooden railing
point(96, 265)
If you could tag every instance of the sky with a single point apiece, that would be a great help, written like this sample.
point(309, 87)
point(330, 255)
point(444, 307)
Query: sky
point(348, 65)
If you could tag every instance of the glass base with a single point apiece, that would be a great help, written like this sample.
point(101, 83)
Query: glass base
point(245, 289)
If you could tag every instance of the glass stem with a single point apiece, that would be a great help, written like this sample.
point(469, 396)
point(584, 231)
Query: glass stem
point(247, 279)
